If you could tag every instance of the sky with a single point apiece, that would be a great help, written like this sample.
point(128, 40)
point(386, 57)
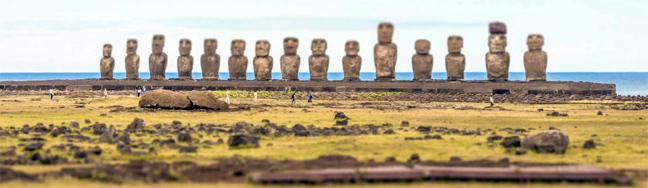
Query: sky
point(68, 35)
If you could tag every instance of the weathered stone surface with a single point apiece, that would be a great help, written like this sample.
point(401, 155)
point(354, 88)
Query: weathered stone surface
point(205, 99)
point(352, 62)
point(243, 141)
point(210, 61)
point(107, 63)
point(137, 124)
point(385, 53)
point(262, 61)
point(535, 60)
point(158, 59)
point(455, 61)
point(238, 62)
point(497, 28)
point(132, 60)
point(185, 61)
point(164, 99)
point(318, 63)
point(107, 136)
point(497, 59)
point(422, 61)
point(550, 141)
point(290, 60)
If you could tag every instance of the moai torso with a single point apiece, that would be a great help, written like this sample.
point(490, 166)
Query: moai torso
point(132, 60)
point(158, 59)
point(385, 53)
point(455, 61)
point(351, 62)
point(422, 61)
point(497, 59)
point(238, 62)
point(185, 61)
point(107, 63)
point(210, 61)
point(318, 63)
point(290, 60)
point(262, 61)
point(535, 60)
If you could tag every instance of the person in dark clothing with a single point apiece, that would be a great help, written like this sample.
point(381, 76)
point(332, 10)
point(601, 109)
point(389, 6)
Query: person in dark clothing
point(293, 98)
point(310, 97)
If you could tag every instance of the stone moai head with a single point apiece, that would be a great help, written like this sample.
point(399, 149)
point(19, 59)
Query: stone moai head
point(158, 44)
point(238, 47)
point(318, 46)
point(210, 46)
point(455, 43)
point(352, 48)
point(385, 32)
point(262, 48)
point(131, 46)
point(535, 41)
point(185, 47)
point(290, 45)
point(107, 50)
point(422, 46)
point(497, 43)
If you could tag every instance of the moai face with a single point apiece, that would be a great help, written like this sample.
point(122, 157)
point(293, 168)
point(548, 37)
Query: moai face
point(290, 45)
point(385, 32)
point(455, 43)
point(318, 46)
point(107, 50)
point(262, 48)
point(422, 46)
point(497, 43)
point(210, 46)
point(352, 48)
point(238, 47)
point(535, 41)
point(185, 47)
point(158, 44)
point(131, 47)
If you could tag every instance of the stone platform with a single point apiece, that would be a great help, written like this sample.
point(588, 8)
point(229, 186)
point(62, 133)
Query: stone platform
point(477, 87)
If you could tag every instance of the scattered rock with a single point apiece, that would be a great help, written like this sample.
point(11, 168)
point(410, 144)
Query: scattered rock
point(74, 124)
point(80, 154)
point(511, 141)
point(342, 122)
point(589, 144)
point(520, 152)
point(340, 115)
point(494, 137)
point(188, 149)
point(599, 113)
point(550, 141)
point(137, 124)
point(405, 123)
point(124, 138)
point(389, 132)
point(87, 121)
point(243, 141)
point(34, 146)
point(433, 137)
point(414, 158)
point(184, 137)
point(107, 136)
point(455, 159)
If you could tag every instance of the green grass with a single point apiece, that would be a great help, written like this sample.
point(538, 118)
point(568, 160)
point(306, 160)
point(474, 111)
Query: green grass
point(621, 140)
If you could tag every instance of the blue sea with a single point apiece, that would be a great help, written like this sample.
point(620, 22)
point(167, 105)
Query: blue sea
point(628, 83)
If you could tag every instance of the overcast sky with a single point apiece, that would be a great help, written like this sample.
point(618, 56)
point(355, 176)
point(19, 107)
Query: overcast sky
point(67, 36)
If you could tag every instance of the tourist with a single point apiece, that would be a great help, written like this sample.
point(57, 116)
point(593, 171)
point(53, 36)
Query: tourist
point(143, 89)
point(51, 94)
point(491, 101)
point(105, 92)
point(293, 98)
point(139, 92)
point(310, 98)
point(255, 97)
point(227, 99)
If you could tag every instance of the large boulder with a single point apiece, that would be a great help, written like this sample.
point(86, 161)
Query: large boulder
point(243, 141)
point(164, 99)
point(550, 141)
point(205, 99)
point(137, 124)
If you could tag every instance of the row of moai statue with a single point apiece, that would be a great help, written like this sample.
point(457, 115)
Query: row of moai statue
point(385, 55)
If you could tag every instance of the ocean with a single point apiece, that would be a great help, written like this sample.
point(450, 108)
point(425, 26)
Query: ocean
point(627, 83)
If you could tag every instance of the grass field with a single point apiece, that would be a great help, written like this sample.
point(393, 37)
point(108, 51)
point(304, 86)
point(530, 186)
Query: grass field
point(621, 136)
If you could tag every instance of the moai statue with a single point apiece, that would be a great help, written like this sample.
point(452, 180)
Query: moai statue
point(290, 60)
point(132, 60)
point(422, 61)
point(318, 63)
point(497, 59)
point(185, 61)
point(210, 61)
point(352, 62)
point(107, 63)
point(158, 59)
point(385, 53)
point(455, 61)
point(535, 60)
point(238, 63)
point(262, 62)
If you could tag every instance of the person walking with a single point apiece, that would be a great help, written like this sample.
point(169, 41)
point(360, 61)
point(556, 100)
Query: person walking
point(143, 89)
point(227, 98)
point(293, 98)
point(255, 98)
point(310, 98)
point(492, 102)
point(139, 92)
point(105, 93)
point(51, 94)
